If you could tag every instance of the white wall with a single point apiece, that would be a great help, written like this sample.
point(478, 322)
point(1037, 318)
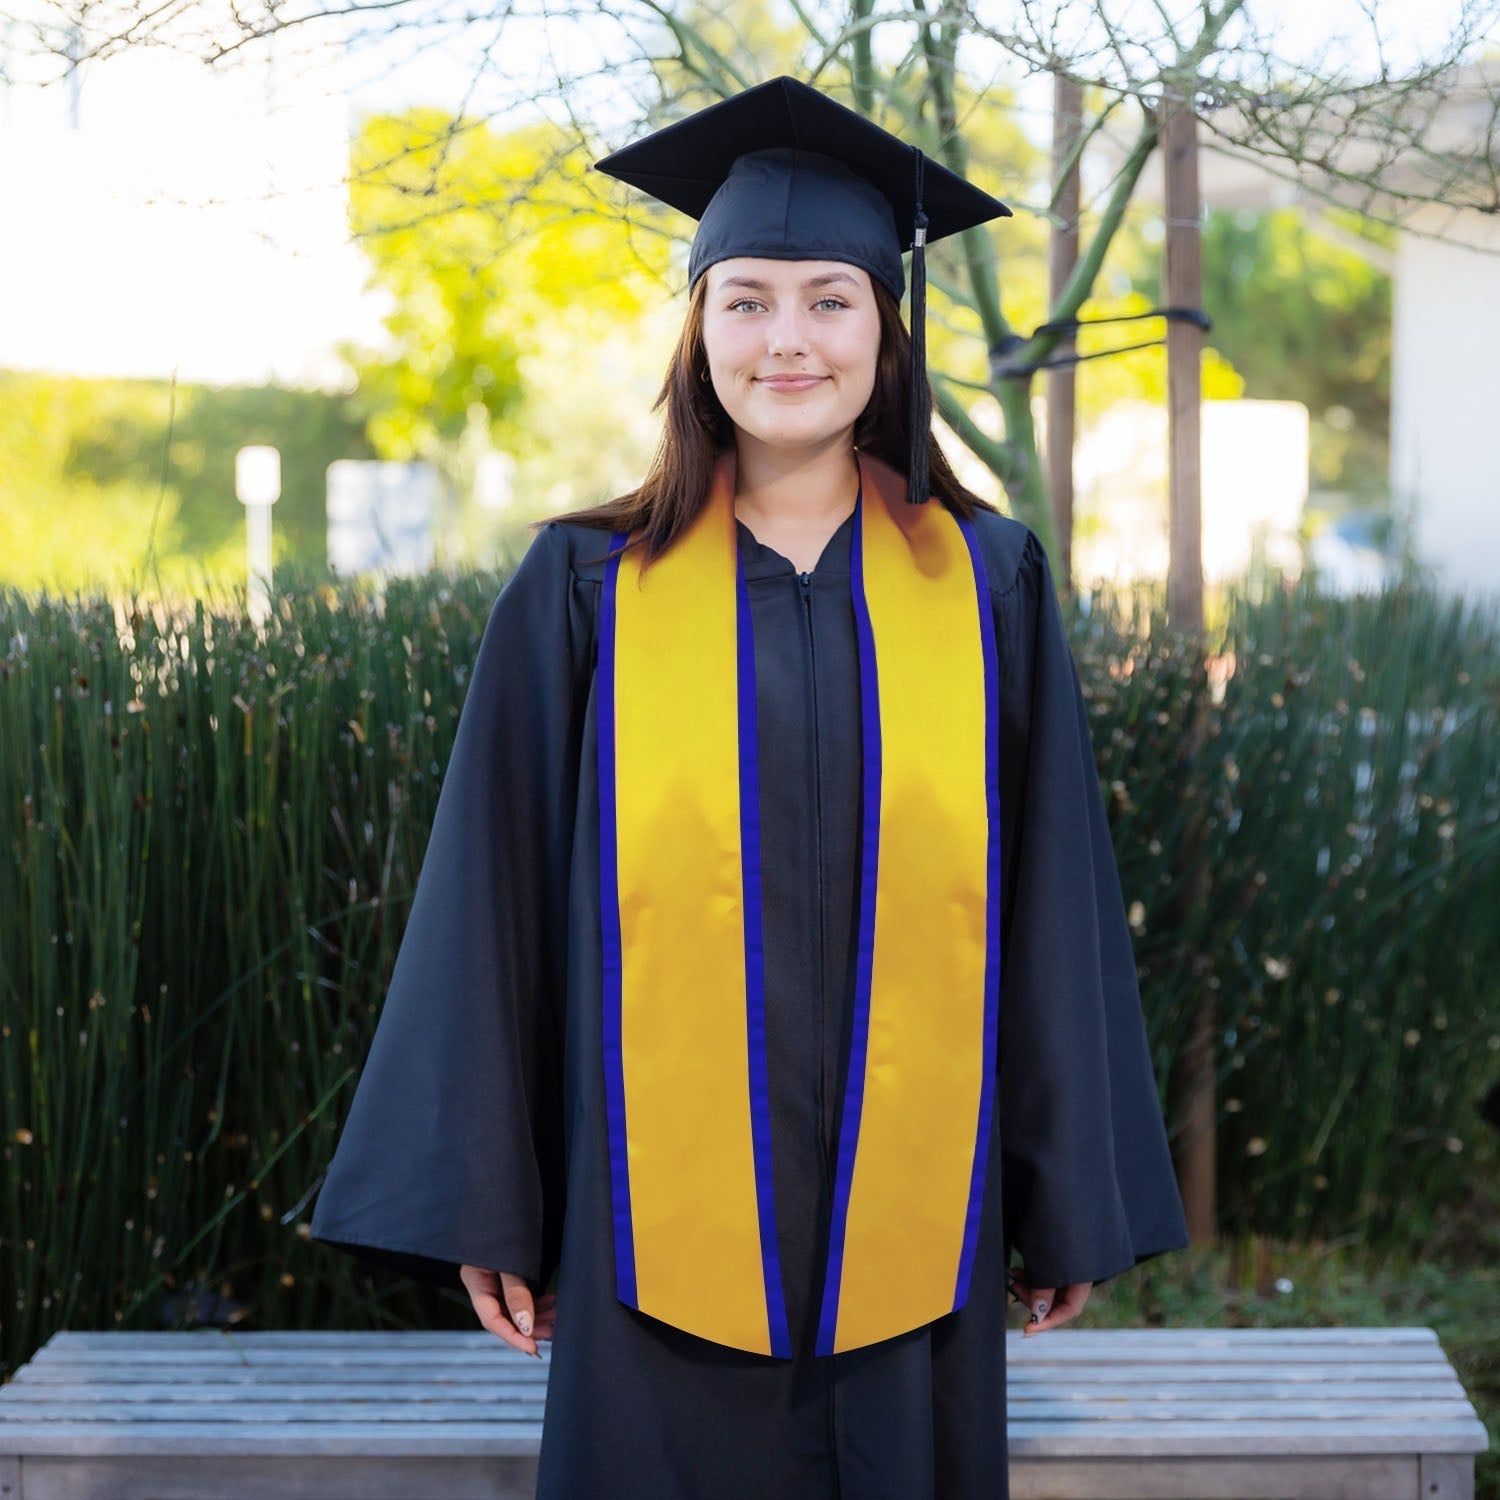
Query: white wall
point(1254, 478)
point(1445, 397)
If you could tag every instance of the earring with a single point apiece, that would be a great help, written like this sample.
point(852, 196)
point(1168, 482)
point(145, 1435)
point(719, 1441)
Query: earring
point(703, 374)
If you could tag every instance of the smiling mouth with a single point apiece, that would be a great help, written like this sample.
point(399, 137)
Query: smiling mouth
point(791, 382)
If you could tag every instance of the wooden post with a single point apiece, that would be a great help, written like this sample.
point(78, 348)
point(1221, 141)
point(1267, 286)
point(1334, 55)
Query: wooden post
point(1184, 288)
point(1067, 127)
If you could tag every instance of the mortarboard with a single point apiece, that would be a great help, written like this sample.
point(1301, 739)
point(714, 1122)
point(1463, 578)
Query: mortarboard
point(784, 172)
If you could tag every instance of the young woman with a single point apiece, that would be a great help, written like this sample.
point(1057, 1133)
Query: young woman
point(768, 978)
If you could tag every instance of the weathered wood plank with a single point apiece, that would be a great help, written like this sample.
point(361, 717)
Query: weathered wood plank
point(1266, 1478)
point(1086, 1438)
point(1395, 1420)
point(342, 1439)
point(228, 1357)
point(523, 1369)
point(1233, 1385)
point(187, 1396)
point(1140, 1414)
point(235, 1413)
point(1445, 1477)
point(474, 1439)
point(1222, 1385)
point(68, 1341)
point(344, 1477)
point(1414, 1379)
point(1057, 1348)
point(1360, 1395)
point(1415, 1344)
point(1395, 1412)
point(1287, 1356)
point(1060, 1437)
point(1418, 1336)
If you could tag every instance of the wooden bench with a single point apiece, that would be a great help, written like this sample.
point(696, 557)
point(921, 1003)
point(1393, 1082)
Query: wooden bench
point(1372, 1413)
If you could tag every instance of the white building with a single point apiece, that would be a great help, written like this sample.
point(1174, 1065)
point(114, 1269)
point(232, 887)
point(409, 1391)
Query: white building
point(1446, 324)
point(1445, 392)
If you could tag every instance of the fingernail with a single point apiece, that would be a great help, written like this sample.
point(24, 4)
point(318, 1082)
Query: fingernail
point(1041, 1309)
point(523, 1322)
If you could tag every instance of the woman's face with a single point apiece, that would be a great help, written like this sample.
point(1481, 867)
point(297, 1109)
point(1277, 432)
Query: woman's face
point(792, 347)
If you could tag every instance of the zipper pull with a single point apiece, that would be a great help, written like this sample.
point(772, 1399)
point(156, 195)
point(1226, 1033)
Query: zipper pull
point(806, 580)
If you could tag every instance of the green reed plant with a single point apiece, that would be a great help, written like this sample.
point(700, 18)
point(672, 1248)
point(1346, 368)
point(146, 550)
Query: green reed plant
point(1361, 782)
point(210, 835)
point(211, 832)
point(1350, 789)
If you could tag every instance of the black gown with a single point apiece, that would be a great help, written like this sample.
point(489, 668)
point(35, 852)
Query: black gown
point(478, 1131)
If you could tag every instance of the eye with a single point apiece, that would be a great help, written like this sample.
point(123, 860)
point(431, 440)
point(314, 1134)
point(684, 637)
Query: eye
point(837, 301)
point(741, 302)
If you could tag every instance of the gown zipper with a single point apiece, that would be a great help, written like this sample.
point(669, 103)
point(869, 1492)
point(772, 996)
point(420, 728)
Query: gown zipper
point(806, 582)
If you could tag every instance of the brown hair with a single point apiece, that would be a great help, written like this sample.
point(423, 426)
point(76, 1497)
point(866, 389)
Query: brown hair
point(697, 430)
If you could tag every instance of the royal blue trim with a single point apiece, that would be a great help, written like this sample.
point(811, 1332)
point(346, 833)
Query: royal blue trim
point(869, 697)
point(609, 907)
point(755, 966)
point(991, 908)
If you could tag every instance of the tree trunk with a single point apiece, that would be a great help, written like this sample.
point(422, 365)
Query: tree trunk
point(1184, 288)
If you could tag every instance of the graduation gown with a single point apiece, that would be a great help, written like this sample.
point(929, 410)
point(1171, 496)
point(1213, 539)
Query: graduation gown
point(478, 1131)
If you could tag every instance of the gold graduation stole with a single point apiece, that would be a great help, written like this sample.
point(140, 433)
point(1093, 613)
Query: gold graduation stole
point(684, 1018)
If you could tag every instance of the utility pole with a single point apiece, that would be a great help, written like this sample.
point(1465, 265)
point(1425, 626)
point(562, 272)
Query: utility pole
point(1067, 129)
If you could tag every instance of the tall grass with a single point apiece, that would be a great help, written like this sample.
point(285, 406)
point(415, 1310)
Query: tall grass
point(211, 833)
point(1350, 786)
point(1358, 944)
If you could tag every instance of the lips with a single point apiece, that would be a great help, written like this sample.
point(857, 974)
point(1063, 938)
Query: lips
point(791, 382)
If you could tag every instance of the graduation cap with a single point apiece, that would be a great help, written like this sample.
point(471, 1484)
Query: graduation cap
point(784, 172)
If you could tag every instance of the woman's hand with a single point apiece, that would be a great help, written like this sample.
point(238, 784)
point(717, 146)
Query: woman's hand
point(1047, 1309)
point(502, 1302)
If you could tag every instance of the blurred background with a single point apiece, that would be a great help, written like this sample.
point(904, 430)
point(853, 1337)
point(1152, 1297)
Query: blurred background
point(308, 309)
point(373, 241)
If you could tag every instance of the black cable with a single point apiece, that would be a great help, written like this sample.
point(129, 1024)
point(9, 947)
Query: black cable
point(1009, 372)
point(1194, 315)
point(1001, 369)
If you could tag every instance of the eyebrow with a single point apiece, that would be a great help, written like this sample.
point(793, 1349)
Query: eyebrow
point(760, 286)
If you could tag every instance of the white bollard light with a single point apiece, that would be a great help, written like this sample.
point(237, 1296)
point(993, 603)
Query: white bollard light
point(257, 482)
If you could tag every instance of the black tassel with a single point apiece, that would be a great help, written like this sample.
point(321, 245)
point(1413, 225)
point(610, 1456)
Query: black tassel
point(921, 390)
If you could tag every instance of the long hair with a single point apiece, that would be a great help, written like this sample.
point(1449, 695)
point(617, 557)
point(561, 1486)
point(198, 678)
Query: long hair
point(697, 430)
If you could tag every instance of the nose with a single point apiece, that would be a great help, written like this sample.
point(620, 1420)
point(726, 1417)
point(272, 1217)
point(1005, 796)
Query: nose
point(786, 337)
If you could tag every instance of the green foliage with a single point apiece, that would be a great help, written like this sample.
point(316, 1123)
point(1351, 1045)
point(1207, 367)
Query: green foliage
point(106, 482)
point(491, 247)
point(210, 836)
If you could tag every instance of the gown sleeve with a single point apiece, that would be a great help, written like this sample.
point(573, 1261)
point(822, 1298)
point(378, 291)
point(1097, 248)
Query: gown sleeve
point(1088, 1186)
point(452, 1150)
